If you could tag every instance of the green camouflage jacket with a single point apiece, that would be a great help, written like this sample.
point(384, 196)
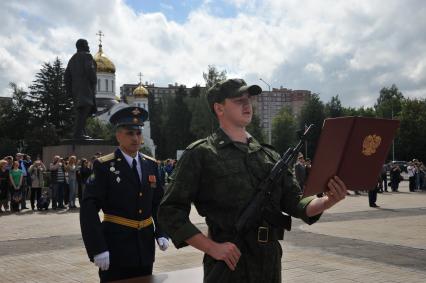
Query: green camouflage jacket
point(221, 177)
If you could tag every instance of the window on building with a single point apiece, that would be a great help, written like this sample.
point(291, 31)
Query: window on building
point(99, 85)
point(112, 88)
point(106, 84)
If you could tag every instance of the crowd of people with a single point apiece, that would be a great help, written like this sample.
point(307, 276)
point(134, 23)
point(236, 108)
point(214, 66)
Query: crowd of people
point(390, 176)
point(56, 185)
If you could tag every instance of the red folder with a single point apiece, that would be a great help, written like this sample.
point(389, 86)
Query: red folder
point(352, 148)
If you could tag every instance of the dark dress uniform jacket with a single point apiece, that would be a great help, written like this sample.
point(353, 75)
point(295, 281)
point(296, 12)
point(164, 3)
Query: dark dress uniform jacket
point(113, 187)
point(80, 79)
point(221, 177)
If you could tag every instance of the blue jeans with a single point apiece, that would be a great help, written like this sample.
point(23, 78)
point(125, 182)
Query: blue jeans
point(58, 195)
point(72, 183)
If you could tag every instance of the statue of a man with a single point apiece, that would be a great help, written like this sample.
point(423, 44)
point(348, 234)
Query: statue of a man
point(80, 82)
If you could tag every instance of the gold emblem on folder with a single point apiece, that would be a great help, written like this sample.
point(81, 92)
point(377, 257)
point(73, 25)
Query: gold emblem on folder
point(370, 144)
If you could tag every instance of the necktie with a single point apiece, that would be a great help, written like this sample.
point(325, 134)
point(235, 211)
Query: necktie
point(135, 170)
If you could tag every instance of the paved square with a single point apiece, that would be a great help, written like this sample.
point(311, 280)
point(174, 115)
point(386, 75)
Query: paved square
point(351, 243)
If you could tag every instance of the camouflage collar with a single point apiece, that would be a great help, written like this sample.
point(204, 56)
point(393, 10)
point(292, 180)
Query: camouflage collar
point(253, 144)
point(220, 139)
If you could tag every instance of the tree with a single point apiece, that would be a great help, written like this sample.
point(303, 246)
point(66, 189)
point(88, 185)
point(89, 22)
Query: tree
point(312, 113)
point(213, 76)
point(50, 103)
point(255, 130)
point(389, 103)
point(15, 120)
point(283, 130)
point(334, 108)
point(203, 121)
point(176, 129)
point(412, 135)
point(100, 130)
point(156, 112)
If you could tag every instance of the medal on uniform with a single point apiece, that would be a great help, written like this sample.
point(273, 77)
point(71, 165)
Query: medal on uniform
point(152, 181)
point(112, 168)
point(118, 179)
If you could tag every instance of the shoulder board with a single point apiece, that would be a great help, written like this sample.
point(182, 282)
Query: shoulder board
point(149, 157)
point(195, 144)
point(106, 158)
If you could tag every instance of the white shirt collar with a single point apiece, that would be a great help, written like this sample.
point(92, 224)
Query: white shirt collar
point(129, 159)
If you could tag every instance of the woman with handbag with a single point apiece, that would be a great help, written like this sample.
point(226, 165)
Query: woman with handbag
point(16, 176)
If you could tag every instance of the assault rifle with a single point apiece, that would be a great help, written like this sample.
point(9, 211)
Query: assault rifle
point(259, 208)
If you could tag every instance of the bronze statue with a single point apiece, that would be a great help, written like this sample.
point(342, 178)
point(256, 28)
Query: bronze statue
point(80, 82)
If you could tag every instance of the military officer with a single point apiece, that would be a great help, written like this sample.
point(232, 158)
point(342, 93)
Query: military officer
point(125, 186)
point(220, 175)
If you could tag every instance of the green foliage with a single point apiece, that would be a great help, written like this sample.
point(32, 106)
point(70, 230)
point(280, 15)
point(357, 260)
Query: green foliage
point(50, 105)
point(156, 114)
point(284, 130)
point(366, 112)
point(203, 123)
point(8, 147)
point(389, 103)
point(334, 108)
point(146, 150)
point(412, 135)
point(255, 130)
point(213, 76)
point(176, 127)
point(41, 117)
point(312, 113)
point(100, 130)
point(15, 121)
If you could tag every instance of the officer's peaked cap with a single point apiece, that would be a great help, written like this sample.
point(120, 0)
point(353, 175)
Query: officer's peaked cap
point(130, 117)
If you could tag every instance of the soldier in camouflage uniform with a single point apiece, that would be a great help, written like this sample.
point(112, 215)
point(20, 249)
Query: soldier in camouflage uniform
point(220, 175)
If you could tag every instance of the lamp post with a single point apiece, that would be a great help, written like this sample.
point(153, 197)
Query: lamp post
point(269, 112)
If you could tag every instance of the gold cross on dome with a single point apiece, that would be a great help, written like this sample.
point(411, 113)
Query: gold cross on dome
point(100, 34)
point(140, 75)
point(136, 112)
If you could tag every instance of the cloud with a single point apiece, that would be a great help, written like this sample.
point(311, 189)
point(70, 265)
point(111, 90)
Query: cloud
point(351, 48)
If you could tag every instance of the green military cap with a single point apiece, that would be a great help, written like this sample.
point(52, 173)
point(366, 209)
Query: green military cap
point(230, 88)
point(129, 117)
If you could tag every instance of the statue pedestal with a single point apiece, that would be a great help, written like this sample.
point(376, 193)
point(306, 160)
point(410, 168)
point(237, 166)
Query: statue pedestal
point(80, 148)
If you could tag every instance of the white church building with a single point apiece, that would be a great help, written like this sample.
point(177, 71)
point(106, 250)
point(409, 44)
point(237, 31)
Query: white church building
point(108, 103)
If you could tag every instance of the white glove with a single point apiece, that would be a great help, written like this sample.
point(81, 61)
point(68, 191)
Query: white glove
point(163, 243)
point(102, 260)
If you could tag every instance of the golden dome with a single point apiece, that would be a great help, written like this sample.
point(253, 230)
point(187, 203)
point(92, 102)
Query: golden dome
point(104, 65)
point(140, 92)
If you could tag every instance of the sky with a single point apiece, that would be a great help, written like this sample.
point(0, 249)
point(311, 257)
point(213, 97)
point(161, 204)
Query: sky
point(350, 48)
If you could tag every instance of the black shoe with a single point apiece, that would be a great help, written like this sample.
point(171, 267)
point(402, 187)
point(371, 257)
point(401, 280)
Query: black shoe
point(374, 205)
point(24, 208)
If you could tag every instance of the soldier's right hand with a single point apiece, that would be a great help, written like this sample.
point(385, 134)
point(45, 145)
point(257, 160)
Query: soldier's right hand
point(102, 260)
point(228, 252)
